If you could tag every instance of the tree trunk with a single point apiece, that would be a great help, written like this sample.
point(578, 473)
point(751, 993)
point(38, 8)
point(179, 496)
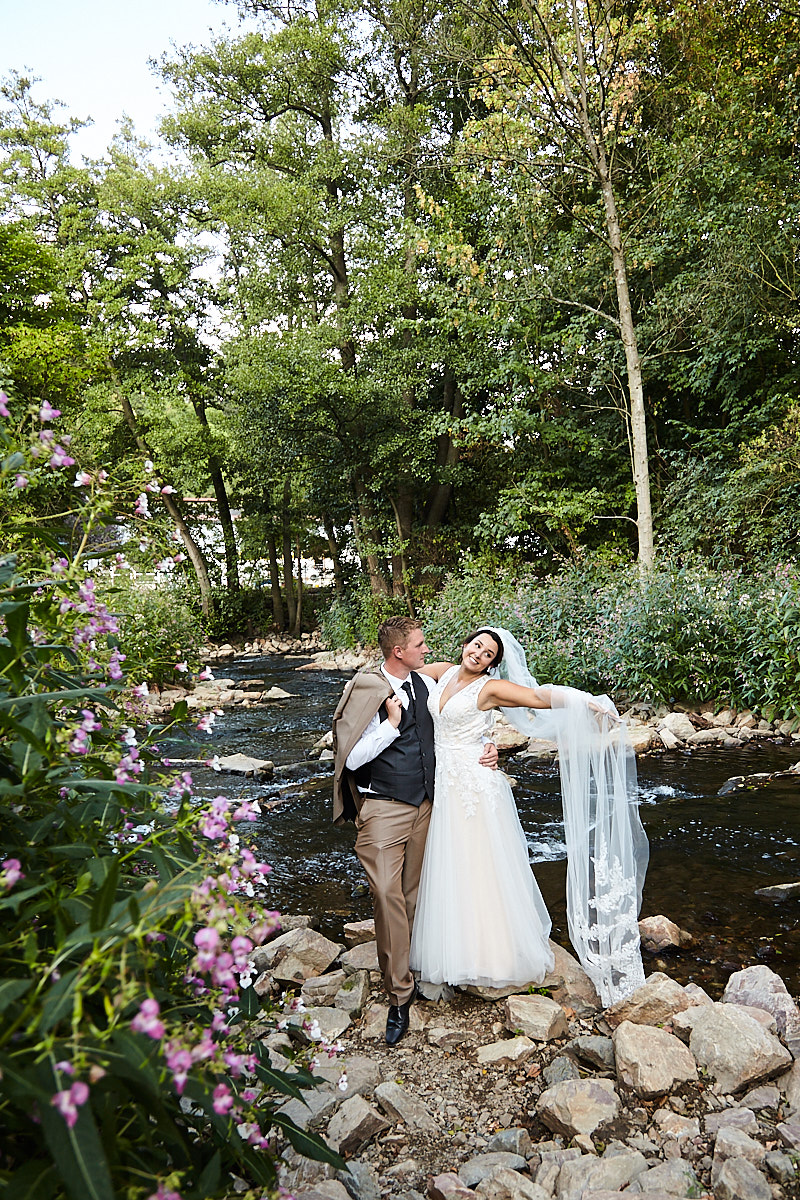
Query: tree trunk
point(638, 424)
point(365, 536)
point(223, 505)
point(193, 551)
point(288, 564)
point(403, 505)
point(333, 547)
point(275, 583)
point(440, 493)
point(298, 621)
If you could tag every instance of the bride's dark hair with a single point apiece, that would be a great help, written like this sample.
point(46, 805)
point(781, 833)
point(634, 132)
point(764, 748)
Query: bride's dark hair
point(498, 658)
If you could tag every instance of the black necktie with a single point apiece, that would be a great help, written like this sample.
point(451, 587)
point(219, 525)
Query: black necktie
point(408, 691)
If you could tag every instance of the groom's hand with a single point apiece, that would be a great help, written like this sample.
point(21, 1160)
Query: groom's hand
point(394, 709)
point(489, 756)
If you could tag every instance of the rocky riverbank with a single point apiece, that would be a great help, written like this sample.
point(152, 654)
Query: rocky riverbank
point(539, 1094)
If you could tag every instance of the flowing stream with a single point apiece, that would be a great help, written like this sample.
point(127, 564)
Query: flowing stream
point(708, 853)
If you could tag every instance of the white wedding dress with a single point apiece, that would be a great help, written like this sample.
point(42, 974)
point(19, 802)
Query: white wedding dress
point(480, 917)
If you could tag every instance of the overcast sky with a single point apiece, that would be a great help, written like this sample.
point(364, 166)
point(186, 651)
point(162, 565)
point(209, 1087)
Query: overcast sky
point(93, 55)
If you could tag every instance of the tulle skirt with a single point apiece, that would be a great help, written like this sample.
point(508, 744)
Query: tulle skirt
point(480, 916)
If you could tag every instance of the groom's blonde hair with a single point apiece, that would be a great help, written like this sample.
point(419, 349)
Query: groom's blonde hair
point(395, 632)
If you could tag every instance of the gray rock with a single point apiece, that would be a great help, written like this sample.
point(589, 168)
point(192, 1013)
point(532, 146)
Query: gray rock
point(354, 1125)
point(760, 987)
point(578, 1105)
point(743, 1119)
point(296, 955)
point(589, 1174)
point(780, 1167)
point(789, 1133)
point(358, 932)
point(361, 1181)
point(324, 1189)
point(401, 1105)
point(732, 1143)
point(538, 1017)
point(653, 1003)
point(594, 1051)
point(673, 1125)
point(659, 933)
point(322, 989)
point(353, 995)
point(509, 1052)
point(734, 1048)
point(362, 1074)
point(449, 1187)
point(650, 1060)
point(362, 957)
point(559, 1069)
point(676, 1178)
point(242, 764)
point(317, 1106)
point(779, 891)
point(678, 724)
point(549, 1168)
point(331, 1023)
point(449, 1039)
point(738, 1179)
point(569, 984)
point(504, 1184)
point(511, 1141)
point(481, 1166)
point(766, 1096)
point(789, 1084)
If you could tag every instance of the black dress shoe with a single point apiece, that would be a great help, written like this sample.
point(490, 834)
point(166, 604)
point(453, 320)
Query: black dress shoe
point(397, 1020)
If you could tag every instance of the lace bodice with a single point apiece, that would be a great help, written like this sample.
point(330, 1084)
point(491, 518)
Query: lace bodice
point(460, 724)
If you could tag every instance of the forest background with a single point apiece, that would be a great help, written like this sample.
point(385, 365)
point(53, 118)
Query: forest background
point(494, 307)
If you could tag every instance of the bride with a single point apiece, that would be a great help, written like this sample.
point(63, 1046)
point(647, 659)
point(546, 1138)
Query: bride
point(480, 916)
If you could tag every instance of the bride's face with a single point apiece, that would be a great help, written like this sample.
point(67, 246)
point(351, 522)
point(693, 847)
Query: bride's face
point(479, 654)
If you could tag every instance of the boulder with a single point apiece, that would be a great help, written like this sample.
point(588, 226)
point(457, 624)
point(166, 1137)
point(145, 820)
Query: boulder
point(505, 1184)
point(651, 1004)
point(642, 738)
point(242, 764)
point(569, 984)
point(550, 1166)
point(353, 995)
point(789, 1133)
point(678, 724)
point(476, 1169)
point(593, 1050)
point(790, 1086)
point(578, 1105)
point(511, 1141)
point(738, 1179)
point(362, 957)
point(743, 1119)
point(508, 1053)
point(650, 1060)
point(559, 1069)
point(779, 891)
point(401, 1105)
point(759, 987)
point(320, 1023)
point(538, 1017)
point(589, 1174)
point(673, 1125)
point(732, 1143)
point(296, 956)
point(357, 932)
point(449, 1187)
point(659, 933)
point(734, 1048)
point(354, 1126)
point(322, 989)
point(675, 1178)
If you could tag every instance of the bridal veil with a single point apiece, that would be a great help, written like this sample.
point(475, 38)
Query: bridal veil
point(607, 847)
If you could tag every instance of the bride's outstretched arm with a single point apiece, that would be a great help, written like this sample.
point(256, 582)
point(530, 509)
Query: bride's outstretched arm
point(500, 692)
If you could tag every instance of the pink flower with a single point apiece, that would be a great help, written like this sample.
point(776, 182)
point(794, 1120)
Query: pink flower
point(10, 873)
point(223, 1099)
point(248, 810)
point(142, 508)
point(4, 405)
point(21, 481)
point(183, 667)
point(179, 1061)
point(148, 1021)
point(167, 490)
point(161, 1194)
point(207, 942)
point(82, 479)
point(206, 673)
point(68, 1102)
point(48, 413)
point(60, 458)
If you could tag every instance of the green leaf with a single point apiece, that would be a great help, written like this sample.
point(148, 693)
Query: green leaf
point(58, 1001)
point(35, 1181)
point(11, 990)
point(78, 1154)
point(310, 1145)
point(105, 898)
point(249, 1002)
point(279, 1081)
point(209, 1181)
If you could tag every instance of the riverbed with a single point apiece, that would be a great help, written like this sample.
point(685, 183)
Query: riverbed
point(708, 853)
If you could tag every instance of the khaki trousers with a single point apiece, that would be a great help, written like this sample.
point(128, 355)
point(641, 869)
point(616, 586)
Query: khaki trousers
point(390, 844)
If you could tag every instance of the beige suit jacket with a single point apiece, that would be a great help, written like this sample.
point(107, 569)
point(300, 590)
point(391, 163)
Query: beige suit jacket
point(360, 701)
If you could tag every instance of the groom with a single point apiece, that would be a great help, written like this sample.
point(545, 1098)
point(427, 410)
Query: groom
point(384, 775)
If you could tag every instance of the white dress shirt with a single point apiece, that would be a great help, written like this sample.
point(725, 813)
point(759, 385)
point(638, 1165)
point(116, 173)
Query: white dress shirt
point(380, 734)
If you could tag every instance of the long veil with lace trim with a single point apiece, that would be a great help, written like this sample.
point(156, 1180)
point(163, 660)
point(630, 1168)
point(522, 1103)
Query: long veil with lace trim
point(607, 848)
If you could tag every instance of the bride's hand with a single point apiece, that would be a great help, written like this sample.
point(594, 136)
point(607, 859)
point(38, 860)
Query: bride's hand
point(601, 710)
point(489, 756)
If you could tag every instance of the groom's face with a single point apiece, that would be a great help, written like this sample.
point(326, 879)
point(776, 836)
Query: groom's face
point(412, 655)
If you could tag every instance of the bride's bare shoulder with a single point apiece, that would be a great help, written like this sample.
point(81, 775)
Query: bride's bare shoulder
point(435, 670)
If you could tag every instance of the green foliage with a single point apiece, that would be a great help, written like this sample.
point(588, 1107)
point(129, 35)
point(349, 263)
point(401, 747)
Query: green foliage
point(682, 633)
point(158, 628)
point(129, 1064)
point(354, 622)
